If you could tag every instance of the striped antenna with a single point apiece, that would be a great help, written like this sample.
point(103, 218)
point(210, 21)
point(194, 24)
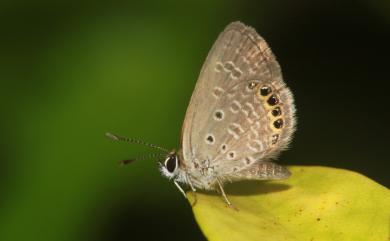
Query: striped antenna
point(147, 156)
point(131, 140)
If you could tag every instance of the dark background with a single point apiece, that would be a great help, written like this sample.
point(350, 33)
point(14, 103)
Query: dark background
point(71, 72)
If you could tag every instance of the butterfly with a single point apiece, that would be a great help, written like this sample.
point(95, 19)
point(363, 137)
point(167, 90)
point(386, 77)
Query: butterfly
point(240, 117)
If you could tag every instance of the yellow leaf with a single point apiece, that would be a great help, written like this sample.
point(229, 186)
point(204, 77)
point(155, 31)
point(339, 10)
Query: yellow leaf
point(314, 204)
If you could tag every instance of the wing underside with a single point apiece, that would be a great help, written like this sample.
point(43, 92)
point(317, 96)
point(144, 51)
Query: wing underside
point(241, 111)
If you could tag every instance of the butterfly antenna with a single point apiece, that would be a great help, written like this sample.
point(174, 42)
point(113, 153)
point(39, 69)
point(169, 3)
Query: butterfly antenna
point(131, 140)
point(148, 156)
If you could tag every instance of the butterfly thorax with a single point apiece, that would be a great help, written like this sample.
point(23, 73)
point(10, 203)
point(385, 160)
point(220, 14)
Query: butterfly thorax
point(200, 172)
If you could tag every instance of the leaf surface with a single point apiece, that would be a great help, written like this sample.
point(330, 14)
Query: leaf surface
point(315, 203)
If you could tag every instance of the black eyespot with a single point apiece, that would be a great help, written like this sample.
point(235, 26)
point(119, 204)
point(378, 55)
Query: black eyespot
point(265, 90)
point(278, 123)
point(277, 111)
point(218, 115)
point(170, 163)
point(275, 138)
point(210, 139)
point(247, 160)
point(252, 85)
point(272, 100)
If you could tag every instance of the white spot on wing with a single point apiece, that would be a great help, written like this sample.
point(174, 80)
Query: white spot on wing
point(234, 134)
point(238, 126)
point(255, 145)
point(218, 67)
point(217, 92)
point(235, 107)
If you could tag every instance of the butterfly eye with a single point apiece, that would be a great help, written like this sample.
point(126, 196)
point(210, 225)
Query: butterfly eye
point(171, 163)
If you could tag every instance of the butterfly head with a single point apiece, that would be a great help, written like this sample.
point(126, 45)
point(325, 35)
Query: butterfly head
point(169, 166)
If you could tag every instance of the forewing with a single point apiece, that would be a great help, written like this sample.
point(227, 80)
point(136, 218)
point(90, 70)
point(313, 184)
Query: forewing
point(229, 122)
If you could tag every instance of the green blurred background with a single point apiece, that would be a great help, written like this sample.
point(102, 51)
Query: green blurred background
point(72, 71)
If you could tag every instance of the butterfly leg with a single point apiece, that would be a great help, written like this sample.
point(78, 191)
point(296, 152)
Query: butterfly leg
point(224, 196)
point(180, 189)
point(193, 190)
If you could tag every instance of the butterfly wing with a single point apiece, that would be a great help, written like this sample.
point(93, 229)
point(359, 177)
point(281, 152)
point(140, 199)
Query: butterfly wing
point(241, 111)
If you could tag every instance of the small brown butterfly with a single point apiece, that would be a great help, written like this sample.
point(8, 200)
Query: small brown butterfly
point(240, 117)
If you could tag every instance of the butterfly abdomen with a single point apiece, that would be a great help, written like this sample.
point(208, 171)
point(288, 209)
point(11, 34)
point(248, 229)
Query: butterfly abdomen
point(261, 171)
